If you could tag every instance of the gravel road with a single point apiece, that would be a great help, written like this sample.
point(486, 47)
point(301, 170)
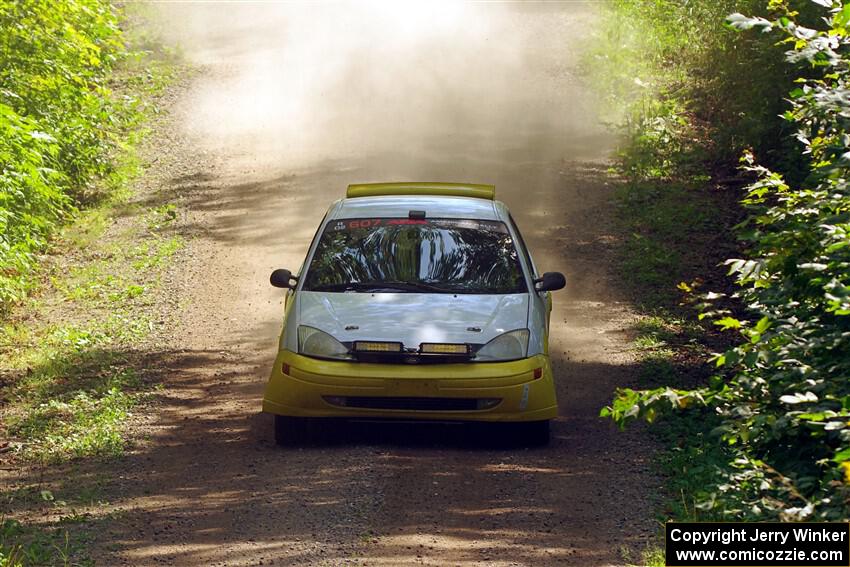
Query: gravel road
point(292, 103)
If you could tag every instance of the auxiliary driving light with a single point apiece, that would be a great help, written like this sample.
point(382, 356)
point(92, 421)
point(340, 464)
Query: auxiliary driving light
point(443, 348)
point(374, 346)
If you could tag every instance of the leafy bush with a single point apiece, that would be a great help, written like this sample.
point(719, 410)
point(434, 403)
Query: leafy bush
point(686, 89)
point(784, 399)
point(56, 121)
point(689, 94)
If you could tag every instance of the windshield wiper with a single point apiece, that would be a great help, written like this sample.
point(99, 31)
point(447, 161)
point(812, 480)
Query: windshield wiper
point(348, 286)
point(418, 286)
point(378, 285)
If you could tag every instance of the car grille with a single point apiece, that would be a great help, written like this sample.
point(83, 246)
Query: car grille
point(411, 358)
point(414, 403)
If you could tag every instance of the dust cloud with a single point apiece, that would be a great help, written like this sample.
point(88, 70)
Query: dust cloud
point(397, 90)
point(291, 103)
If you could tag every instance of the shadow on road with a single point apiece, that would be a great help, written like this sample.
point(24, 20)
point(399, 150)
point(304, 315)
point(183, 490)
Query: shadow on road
point(207, 483)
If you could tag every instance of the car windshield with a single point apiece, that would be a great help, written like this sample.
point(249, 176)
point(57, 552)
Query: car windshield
point(416, 255)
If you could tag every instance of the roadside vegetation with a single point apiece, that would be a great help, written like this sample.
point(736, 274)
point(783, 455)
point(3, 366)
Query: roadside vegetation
point(81, 260)
point(736, 212)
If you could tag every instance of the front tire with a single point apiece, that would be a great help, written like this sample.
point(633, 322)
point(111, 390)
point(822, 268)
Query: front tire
point(293, 431)
point(533, 433)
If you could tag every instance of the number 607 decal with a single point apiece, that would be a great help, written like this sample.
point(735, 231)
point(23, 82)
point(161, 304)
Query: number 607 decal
point(364, 223)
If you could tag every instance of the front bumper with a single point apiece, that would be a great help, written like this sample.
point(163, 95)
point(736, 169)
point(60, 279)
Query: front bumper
point(322, 388)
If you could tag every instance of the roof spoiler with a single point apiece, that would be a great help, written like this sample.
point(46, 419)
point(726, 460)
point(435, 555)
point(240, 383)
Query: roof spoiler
point(421, 188)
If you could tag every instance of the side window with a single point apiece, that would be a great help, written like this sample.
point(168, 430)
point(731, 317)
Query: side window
point(523, 248)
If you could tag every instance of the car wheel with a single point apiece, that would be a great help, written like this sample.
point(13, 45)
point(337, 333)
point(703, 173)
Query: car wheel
point(291, 431)
point(533, 433)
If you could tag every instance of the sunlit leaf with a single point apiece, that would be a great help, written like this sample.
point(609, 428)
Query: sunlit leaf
point(798, 398)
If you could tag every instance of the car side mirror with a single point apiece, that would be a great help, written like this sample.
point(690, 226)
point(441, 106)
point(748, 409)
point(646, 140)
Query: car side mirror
point(550, 281)
point(282, 278)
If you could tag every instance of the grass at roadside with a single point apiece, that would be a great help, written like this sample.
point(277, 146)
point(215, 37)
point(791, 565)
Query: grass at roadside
point(68, 377)
point(62, 522)
point(36, 546)
point(72, 362)
point(648, 557)
point(674, 231)
point(669, 349)
point(70, 384)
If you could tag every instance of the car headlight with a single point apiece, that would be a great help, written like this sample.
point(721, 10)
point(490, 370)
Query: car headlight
point(313, 342)
point(509, 346)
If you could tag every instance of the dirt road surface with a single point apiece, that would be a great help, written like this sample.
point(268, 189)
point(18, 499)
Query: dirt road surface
point(292, 103)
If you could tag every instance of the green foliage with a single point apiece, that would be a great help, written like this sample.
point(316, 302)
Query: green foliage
point(77, 390)
point(661, 220)
point(58, 122)
point(784, 398)
point(73, 107)
point(687, 93)
point(650, 556)
point(22, 545)
point(685, 88)
point(81, 426)
point(71, 380)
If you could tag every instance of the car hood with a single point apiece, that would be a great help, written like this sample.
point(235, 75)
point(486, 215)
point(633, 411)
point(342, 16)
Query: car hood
point(413, 318)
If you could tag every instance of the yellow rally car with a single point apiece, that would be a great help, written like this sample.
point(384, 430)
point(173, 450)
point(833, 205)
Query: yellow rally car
point(416, 301)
